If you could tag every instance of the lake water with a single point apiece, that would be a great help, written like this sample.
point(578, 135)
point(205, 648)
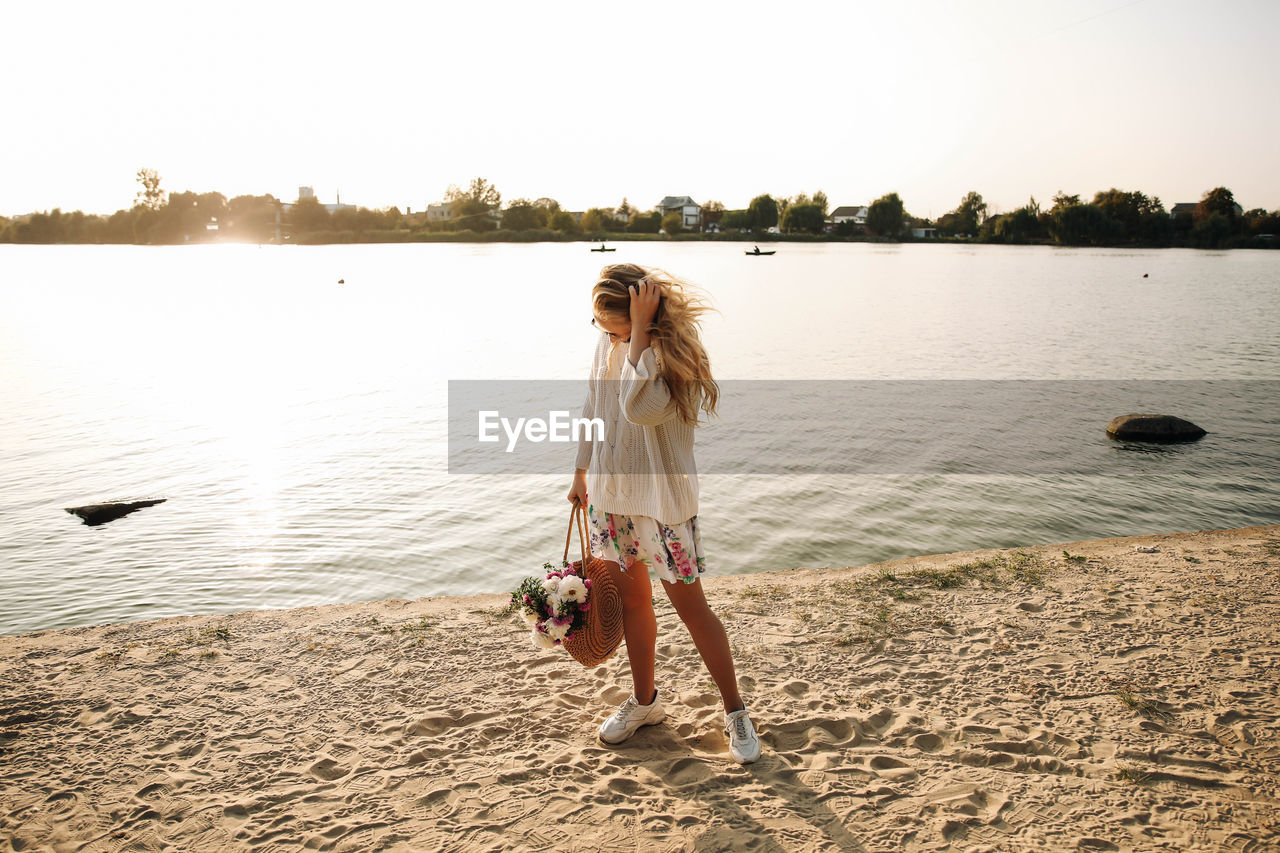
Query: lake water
point(298, 426)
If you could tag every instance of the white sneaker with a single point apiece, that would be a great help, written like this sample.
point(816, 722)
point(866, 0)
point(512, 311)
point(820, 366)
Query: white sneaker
point(629, 717)
point(744, 745)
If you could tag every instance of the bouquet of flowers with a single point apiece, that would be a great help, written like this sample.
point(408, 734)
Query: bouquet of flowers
point(553, 606)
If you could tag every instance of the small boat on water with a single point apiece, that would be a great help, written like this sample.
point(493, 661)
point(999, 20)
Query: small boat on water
point(757, 251)
point(602, 249)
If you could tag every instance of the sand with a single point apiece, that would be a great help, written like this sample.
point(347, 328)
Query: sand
point(992, 700)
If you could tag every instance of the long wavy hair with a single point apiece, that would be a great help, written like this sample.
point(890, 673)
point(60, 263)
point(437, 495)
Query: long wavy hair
point(673, 333)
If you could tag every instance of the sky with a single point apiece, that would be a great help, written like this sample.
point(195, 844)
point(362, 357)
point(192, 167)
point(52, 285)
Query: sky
point(588, 103)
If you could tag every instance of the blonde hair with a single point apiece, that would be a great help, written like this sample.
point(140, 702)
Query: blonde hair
point(673, 333)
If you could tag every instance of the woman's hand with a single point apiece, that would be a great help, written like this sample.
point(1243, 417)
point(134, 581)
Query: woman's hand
point(645, 296)
point(578, 491)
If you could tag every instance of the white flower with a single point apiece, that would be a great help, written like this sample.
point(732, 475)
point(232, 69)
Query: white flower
point(551, 586)
point(543, 641)
point(556, 632)
point(573, 589)
point(530, 619)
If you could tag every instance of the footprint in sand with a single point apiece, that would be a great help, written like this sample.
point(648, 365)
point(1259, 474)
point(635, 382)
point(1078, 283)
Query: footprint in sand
point(328, 770)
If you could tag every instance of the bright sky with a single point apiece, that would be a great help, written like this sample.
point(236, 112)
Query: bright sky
point(389, 103)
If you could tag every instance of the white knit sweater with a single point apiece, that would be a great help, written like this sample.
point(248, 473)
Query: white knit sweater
point(644, 465)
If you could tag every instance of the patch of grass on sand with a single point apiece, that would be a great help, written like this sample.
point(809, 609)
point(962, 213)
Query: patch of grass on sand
point(207, 636)
point(762, 591)
point(1074, 558)
point(995, 571)
point(426, 623)
point(1143, 706)
point(1133, 774)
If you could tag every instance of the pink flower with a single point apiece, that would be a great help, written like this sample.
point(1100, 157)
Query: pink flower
point(587, 581)
point(583, 608)
point(613, 531)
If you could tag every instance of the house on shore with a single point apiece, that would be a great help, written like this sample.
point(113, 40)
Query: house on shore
point(857, 214)
point(1188, 208)
point(439, 211)
point(690, 211)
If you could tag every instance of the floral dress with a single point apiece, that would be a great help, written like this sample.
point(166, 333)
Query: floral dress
point(674, 551)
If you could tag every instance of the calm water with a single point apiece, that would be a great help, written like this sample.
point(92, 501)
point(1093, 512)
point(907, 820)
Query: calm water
point(298, 425)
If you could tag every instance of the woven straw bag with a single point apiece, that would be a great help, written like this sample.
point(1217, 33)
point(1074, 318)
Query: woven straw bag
point(594, 643)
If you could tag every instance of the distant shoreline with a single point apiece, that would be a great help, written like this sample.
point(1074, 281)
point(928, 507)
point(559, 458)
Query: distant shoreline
point(518, 237)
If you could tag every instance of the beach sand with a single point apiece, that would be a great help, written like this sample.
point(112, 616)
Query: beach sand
point(992, 700)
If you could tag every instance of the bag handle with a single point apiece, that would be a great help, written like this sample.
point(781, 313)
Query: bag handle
point(578, 514)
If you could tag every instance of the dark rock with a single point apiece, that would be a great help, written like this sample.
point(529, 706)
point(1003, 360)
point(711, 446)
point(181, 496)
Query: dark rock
point(94, 514)
point(1163, 428)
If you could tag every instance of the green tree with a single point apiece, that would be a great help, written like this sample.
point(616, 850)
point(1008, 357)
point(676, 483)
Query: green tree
point(763, 212)
point(738, 220)
point(1061, 199)
point(712, 213)
point(150, 195)
point(307, 215)
point(645, 223)
point(1218, 200)
point(563, 221)
point(1083, 225)
point(625, 210)
point(524, 215)
point(971, 213)
point(1259, 221)
point(885, 216)
point(252, 217)
point(673, 222)
point(1020, 226)
point(808, 217)
point(1140, 217)
point(593, 221)
point(473, 208)
point(1212, 231)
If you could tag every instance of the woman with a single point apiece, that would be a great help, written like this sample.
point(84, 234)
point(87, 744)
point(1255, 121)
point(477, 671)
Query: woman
point(650, 378)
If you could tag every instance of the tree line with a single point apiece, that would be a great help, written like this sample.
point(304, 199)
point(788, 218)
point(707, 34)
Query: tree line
point(1113, 218)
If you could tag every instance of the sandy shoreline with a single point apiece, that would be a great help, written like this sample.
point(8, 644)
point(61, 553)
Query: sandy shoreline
point(987, 700)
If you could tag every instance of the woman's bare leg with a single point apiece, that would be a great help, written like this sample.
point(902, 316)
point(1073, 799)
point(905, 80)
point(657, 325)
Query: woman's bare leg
point(639, 626)
point(709, 636)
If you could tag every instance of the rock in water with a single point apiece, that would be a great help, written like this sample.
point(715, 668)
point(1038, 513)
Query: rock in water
point(94, 514)
point(1153, 428)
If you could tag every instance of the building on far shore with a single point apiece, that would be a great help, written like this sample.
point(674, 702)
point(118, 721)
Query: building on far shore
point(1188, 208)
point(924, 233)
point(439, 211)
point(310, 192)
point(690, 211)
point(857, 214)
